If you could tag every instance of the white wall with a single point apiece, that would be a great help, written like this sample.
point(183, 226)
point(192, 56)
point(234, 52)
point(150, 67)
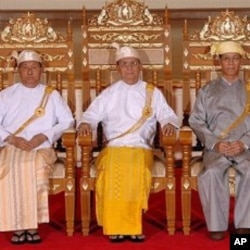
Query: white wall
point(97, 4)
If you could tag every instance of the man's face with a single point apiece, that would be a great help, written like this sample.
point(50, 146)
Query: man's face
point(230, 64)
point(129, 69)
point(30, 73)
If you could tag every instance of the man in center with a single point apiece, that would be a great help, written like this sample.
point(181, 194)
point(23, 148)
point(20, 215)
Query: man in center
point(128, 110)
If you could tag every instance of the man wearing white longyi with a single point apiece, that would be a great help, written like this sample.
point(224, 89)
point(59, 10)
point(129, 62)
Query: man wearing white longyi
point(32, 117)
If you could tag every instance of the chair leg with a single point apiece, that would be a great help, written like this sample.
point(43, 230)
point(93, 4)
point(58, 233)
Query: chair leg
point(170, 205)
point(186, 205)
point(70, 207)
point(85, 211)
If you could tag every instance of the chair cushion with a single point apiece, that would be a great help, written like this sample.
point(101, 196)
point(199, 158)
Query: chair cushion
point(196, 165)
point(59, 168)
point(93, 168)
point(158, 169)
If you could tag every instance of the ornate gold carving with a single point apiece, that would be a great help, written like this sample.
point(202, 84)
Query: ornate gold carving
point(166, 33)
point(185, 52)
point(30, 28)
point(125, 37)
point(145, 45)
point(167, 49)
point(227, 26)
point(53, 69)
point(167, 61)
point(210, 67)
point(85, 185)
point(170, 185)
point(155, 185)
point(84, 34)
point(84, 50)
point(84, 62)
point(205, 57)
point(70, 65)
point(55, 187)
point(70, 185)
point(70, 53)
point(50, 58)
point(186, 184)
point(120, 12)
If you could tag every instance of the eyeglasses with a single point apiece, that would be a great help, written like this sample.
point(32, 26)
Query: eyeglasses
point(124, 64)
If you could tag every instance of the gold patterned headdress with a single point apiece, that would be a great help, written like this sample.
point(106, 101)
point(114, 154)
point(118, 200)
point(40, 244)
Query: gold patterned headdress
point(226, 47)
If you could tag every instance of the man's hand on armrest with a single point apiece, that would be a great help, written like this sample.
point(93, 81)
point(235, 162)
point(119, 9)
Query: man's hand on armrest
point(84, 129)
point(168, 129)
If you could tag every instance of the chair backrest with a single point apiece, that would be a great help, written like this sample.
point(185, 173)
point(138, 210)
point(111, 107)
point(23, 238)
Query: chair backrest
point(129, 23)
point(198, 63)
point(31, 32)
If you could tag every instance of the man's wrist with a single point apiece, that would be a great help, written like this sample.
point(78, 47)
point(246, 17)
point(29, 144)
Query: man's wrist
point(9, 139)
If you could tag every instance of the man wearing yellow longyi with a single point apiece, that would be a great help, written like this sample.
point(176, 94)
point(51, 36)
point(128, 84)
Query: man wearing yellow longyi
point(128, 110)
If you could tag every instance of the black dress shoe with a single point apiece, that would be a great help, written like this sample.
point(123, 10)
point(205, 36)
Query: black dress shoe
point(136, 238)
point(217, 235)
point(116, 238)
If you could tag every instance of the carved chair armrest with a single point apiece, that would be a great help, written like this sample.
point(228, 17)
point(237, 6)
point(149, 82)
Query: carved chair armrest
point(85, 142)
point(169, 143)
point(185, 139)
point(69, 142)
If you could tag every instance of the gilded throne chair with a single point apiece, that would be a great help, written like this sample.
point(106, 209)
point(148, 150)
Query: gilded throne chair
point(129, 23)
point(199, 67)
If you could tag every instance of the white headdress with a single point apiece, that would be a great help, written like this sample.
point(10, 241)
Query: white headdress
point(26, 55)
point(123, 52)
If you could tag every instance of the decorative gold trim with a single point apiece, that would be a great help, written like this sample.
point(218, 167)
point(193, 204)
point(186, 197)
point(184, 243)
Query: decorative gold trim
point(30, 28)
point(125, 37)
point(55, 187)
point(85, 185)
point(145, 45)
point(186, 184)
point(70, 185)
point(170, 185)
point(53, 69)
point(125, 12)
point(227, 26)
point(204, 67)
point(50, 58)
point(155, 185)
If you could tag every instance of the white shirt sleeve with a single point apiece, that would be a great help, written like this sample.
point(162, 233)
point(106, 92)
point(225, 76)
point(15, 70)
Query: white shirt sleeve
point(164, 113)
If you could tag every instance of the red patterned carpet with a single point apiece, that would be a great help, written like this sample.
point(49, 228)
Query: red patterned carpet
point(54, 236)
